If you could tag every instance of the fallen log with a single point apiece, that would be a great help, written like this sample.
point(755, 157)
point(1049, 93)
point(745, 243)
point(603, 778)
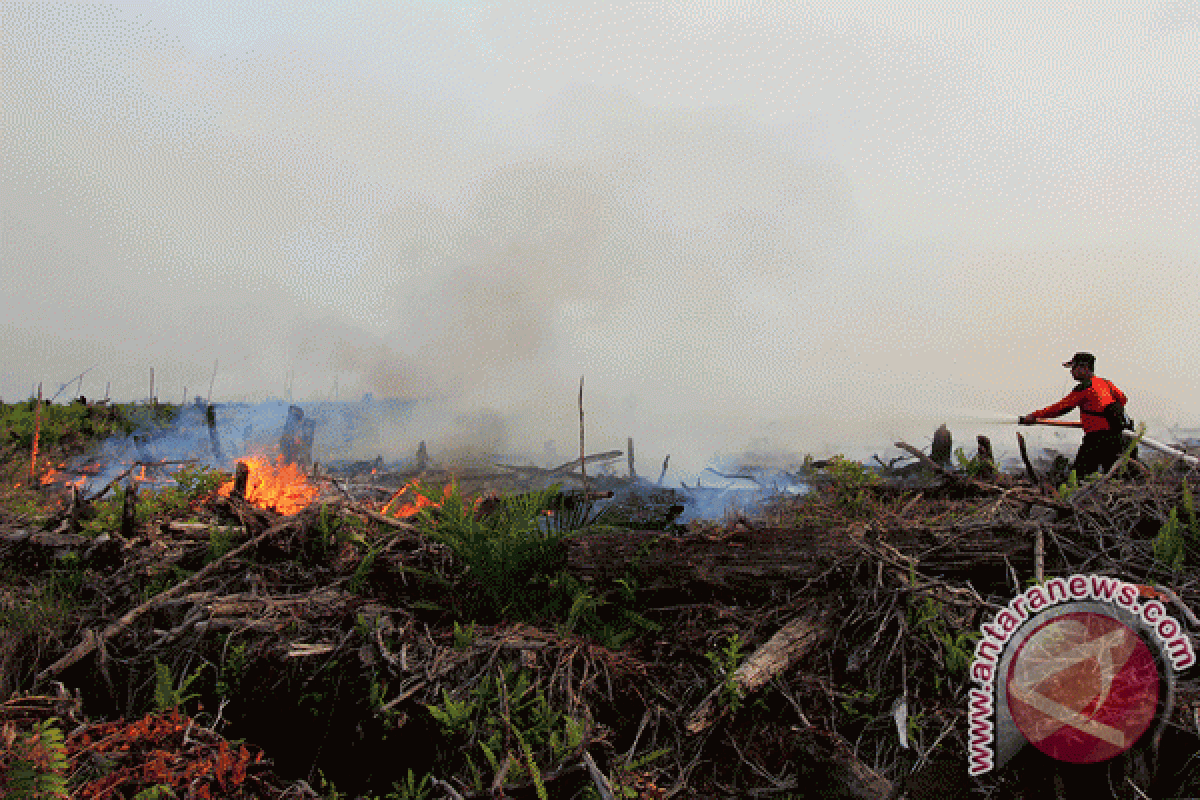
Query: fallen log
point(46, 545)
point(920, 456)
point(579, 462)
point(751, 560)
point(790, 644)
point(563, 469)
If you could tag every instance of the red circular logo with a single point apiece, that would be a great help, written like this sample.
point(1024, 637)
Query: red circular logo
point(1083, 687)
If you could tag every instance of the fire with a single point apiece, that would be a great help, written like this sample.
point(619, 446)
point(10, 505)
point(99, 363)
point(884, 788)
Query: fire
point(418, 502)
point(283, 487)
point(59, 476)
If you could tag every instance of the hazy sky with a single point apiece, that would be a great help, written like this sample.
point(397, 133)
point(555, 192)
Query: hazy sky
point(812, 227)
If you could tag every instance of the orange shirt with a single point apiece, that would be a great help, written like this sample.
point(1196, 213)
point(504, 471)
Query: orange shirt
point(1091, 397)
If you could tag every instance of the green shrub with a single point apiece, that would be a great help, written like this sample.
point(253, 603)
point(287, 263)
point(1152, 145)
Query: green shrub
point(849, 485)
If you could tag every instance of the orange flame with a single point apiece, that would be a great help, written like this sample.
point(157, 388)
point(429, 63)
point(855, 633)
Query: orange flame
point(53, 474)
point(283, 487)
point(418, 502)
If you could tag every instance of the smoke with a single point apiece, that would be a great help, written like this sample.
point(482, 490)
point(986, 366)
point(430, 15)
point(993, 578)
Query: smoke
point(824, 229)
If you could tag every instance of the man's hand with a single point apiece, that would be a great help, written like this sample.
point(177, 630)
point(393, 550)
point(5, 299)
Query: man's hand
point(1026, 420)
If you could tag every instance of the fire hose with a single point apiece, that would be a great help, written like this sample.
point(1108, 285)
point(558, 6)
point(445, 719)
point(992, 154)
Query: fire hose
point(1153, 444)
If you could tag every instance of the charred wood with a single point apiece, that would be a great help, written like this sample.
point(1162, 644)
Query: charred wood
point(983, 455)
point(241, 478)
point(129, 510)
point(290, 441)
point(210, 415)
point(943, 445)
point(1030, 472)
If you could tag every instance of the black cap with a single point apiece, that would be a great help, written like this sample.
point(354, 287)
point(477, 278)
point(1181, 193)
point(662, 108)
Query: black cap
point(1086, 359)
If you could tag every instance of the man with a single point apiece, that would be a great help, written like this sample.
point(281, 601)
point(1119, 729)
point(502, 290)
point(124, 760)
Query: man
point(1101, 409)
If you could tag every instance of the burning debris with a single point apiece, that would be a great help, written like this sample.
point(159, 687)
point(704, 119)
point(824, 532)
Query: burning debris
point(280, 487)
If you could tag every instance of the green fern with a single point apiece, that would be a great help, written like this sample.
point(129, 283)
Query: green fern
point(39, 770)
point(533, 768)
point(509, 557)
point(411, 788)
point(452, 715)
point(166, 695)
point(725, 663)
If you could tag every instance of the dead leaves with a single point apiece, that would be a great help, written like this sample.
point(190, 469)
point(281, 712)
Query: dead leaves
point(160, 750)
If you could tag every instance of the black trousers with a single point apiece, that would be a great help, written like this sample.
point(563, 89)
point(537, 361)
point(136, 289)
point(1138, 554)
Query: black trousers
point(1099, 451)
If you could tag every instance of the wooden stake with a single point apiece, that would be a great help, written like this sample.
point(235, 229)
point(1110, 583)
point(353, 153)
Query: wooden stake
point(582, 457)
point(106, 385)
point(629, 452)
point(208, 402)
point(152, 386)
point(37, 432)
point(663, 474)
